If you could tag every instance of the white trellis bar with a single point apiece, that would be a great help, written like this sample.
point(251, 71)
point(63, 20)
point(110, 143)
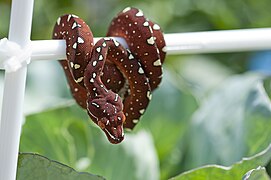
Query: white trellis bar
point(180, 43)
point(14, 86)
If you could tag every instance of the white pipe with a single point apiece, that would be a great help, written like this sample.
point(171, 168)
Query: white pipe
point(14, 88)
point(55, 49)
point(180, 43)
point(219, 41)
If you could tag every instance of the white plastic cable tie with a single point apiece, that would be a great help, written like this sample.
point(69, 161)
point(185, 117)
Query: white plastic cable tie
point(12, 56)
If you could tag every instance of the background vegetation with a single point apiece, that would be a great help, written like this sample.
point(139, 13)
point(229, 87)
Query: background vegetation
point(210, 109)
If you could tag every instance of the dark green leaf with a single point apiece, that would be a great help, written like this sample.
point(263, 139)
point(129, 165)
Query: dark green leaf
point(37, 167)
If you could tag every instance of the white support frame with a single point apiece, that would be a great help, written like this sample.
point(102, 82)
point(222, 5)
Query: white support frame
point(14, 88)
point(14, 85)
point(179, 43)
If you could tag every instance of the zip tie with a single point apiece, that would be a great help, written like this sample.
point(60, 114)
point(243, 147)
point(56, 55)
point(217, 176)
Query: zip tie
point(13, 56)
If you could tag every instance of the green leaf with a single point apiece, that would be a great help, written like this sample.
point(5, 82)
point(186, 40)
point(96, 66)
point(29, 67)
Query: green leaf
point(167, 116)
point(233, 122)
point(167, 119)
point(256, 174)
point(61, 134)
point(135, 158)
point(36, 167)
point(66, 135)
point(197, 74)
point(235, 171)
point(257, 116)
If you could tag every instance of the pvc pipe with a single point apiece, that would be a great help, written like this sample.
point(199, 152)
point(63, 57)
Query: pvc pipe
point(219, 41)
point(14, 88)
point(179, 43)
point(56, 49)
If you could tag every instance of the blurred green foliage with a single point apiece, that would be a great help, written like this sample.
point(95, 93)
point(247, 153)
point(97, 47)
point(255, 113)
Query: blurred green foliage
point(174, 135)
point(203, 113)
point(236, 171)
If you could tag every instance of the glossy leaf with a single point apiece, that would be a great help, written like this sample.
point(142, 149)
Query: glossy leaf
point(66, 135)
point(235, 171)
point(34, 166)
